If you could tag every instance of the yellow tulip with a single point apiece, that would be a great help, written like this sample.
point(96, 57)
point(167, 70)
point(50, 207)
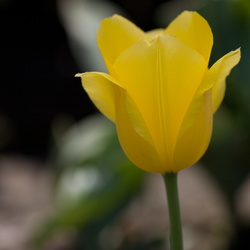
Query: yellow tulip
point(160, 92)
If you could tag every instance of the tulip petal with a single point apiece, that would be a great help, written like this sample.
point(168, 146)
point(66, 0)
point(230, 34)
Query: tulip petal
point(162, 77)
point(138, 150)
point(115, 35)
point(101, 88)
point(217, 75)
point(193, 140)
point(193, 30)
point(110, 98)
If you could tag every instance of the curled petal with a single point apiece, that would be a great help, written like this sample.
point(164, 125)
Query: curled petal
point(217, 75)
point(101, 88)
point(193, 30)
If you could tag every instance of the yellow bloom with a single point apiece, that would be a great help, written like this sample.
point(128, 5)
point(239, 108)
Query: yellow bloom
point(159, 91)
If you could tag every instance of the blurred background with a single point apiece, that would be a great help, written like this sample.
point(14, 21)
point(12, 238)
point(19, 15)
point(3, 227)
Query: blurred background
point(64, 181)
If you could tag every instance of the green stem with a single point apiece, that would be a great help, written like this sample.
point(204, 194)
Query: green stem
point(170, 180)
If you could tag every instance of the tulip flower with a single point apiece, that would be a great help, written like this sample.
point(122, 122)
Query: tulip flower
point(160, 92)
point(161, 95)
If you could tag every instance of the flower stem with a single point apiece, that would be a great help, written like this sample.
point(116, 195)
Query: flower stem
point(170, 180)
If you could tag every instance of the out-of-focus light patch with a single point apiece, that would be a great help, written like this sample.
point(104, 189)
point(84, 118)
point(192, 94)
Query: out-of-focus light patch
point(81, 19)
point(79, 149)
point(77, 183)
point(85, 141)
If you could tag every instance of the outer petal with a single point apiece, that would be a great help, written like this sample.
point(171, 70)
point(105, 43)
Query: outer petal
point(111, 99)
point(142, 153)
point(193, 140)
point(101, 89)
point(194, 31)
point(162, 77)
point(115, 35)
point(217, 75)
point(194, 136)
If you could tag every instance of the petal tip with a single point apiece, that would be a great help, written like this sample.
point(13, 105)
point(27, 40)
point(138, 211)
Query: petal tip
point(79, 74)
point(235, 55)
point(238, 51)
point(113, 17)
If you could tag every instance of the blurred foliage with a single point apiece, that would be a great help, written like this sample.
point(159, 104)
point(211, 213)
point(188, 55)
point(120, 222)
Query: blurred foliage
point(94, 178)
point(228, 154)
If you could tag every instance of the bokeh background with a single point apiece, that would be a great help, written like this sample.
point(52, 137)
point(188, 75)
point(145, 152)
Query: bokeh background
point(64, 181)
